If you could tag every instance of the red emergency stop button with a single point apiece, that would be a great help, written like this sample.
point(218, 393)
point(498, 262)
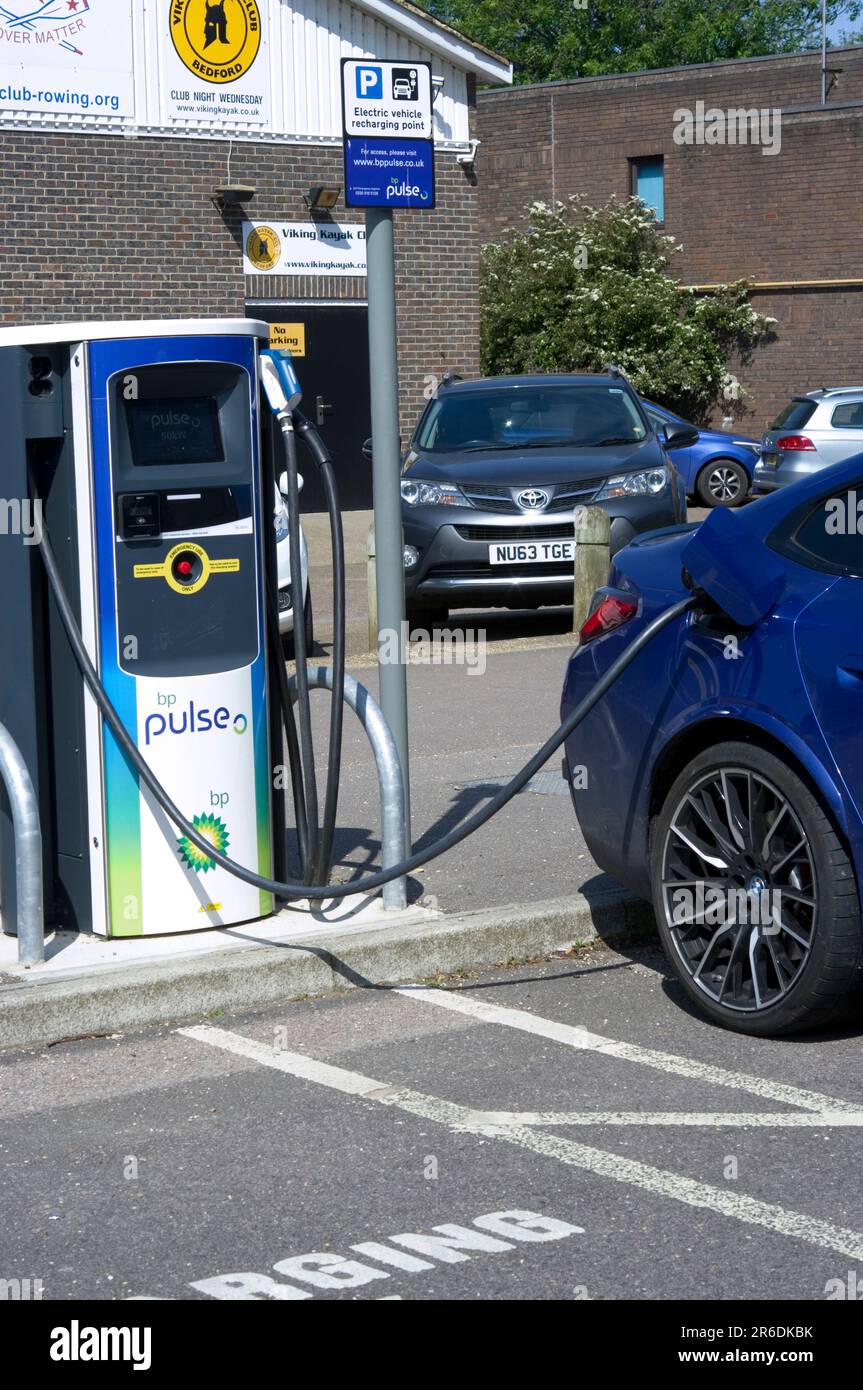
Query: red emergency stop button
point(186, 568)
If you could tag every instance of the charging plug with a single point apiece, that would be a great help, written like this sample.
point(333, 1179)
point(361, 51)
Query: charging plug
point(279, 380)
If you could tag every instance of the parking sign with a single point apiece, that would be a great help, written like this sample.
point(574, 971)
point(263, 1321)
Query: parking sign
point(387, 100)
point(388, 134)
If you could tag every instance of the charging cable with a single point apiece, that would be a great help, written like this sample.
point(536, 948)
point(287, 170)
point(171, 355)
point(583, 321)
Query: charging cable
point(369, 881)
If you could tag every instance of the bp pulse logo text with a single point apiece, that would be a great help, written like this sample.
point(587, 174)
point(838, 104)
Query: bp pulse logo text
point(173, 420)
point(405, 190)
point(191, 720)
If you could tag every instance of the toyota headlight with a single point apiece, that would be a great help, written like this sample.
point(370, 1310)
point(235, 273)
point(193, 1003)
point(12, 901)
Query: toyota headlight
point(634, 485)
point(418, 493)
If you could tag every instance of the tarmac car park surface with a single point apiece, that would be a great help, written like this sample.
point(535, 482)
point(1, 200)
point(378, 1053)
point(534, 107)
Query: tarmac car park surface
point(566, 1130)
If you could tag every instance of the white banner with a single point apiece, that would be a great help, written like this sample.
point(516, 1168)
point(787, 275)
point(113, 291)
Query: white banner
point(304, 248)
point(216, 63)
point(243, 70)
point(66, 57)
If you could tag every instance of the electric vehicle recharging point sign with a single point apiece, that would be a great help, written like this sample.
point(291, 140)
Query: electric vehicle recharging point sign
point(388, 134)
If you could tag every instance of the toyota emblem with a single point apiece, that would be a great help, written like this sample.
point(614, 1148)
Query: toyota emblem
point(533, 499)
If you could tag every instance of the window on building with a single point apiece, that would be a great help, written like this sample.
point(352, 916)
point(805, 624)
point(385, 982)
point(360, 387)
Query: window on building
point(648, 183)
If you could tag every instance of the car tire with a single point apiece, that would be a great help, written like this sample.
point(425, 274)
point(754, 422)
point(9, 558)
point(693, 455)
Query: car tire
point(722, 483)
point(805, 970)
point(288, 646)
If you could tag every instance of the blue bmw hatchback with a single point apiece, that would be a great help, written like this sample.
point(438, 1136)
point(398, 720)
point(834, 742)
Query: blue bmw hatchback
point(717, 469)
point(725, 765)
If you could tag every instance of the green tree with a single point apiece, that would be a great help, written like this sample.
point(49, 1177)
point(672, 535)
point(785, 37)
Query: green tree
point(549, 39)
point(580, 287)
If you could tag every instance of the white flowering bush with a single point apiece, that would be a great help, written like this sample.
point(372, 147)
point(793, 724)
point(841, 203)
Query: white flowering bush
point(582, 287)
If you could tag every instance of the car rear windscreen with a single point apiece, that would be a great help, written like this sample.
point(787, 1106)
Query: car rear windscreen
point(795, 415)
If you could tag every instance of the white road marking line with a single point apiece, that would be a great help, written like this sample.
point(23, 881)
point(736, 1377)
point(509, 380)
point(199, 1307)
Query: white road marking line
point(586, 1041)
point(606, 1165)
point(352, 1083)
point(714, 1119)
point(694, 1194)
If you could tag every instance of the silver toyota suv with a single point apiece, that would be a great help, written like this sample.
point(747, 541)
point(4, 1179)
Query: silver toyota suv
point(813, 431)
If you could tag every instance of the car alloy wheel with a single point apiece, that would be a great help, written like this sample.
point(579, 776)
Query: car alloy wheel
point(723, 484)
point(746, 940)
point(756, 899)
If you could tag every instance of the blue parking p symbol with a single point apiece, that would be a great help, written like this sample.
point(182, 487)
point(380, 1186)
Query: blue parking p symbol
point(370, 83)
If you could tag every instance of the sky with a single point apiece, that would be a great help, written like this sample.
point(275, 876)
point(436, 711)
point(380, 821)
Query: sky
point(835, 30)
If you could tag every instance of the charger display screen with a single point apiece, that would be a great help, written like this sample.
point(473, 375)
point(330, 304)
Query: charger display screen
point(175, 429)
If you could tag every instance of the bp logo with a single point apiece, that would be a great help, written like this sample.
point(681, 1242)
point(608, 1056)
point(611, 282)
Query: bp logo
point(212, 828)
point(219, 41)
point(263, 248)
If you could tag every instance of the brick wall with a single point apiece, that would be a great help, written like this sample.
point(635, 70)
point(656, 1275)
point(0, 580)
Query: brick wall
point(737, 212)
point(107, 227)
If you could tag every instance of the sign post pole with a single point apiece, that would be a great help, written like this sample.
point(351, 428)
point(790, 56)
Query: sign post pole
point(386, 468)
point(389, 163)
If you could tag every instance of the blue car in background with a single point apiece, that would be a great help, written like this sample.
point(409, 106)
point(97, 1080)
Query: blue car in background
point(724, 767)
point(717, 470)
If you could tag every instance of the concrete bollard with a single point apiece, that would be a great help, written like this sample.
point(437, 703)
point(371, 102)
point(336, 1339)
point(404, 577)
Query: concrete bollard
point(371, 575)
point(592, 559)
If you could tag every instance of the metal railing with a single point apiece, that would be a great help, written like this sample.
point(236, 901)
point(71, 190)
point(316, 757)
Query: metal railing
point(390, 780)
point(28, 850)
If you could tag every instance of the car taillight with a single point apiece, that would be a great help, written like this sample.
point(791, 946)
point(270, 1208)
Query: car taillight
point(609, 613)
point(794, 441)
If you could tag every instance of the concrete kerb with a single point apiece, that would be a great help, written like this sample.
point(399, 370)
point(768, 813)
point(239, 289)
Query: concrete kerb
point(36, 1011)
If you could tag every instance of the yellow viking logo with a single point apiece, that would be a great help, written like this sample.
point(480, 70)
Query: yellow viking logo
point(263, 248)
point(217, 40)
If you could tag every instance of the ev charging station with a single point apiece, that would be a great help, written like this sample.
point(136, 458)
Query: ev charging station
point(142, 684)
point(141, 442)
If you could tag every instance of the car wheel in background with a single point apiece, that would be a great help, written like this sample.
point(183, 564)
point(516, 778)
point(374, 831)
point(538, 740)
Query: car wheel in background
point(756, 899)
point(722, 483)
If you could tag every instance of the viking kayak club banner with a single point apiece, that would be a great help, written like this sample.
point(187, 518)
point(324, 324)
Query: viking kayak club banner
point(199, 67)
point(255, 70)
point(66, 58)
point(217, 62)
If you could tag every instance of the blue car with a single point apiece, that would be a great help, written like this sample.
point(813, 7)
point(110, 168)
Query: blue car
point(721, 776)
point(717, 470)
